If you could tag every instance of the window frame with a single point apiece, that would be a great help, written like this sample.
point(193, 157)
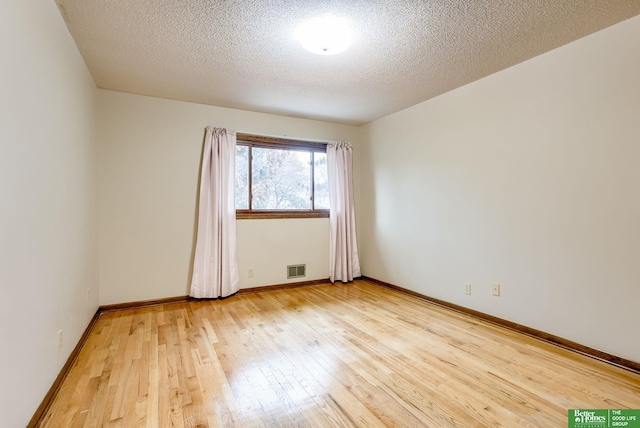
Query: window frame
point(252, 141)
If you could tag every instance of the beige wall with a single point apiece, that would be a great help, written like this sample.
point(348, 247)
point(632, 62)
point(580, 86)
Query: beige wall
point(528, 178)
point(150, 152)
point(48, 211)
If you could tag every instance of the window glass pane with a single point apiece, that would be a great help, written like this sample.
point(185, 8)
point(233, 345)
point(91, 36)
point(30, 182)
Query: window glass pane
point(242, 177)
point(281, 179)
point(321, 195)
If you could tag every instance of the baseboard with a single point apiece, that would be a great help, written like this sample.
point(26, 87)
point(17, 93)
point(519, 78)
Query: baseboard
point(42, 410)
point(182, 299)
point(541, 335)
point(143, 303)
point(283, 286)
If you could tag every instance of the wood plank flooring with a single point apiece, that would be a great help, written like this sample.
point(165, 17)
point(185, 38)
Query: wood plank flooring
point(355, 355)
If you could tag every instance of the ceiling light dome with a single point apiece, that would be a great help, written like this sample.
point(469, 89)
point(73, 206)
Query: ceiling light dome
point(325, 35)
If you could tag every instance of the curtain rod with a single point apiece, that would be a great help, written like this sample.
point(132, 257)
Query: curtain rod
point(284, 137)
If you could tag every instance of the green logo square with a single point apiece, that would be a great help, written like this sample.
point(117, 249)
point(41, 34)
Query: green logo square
point(603, 418)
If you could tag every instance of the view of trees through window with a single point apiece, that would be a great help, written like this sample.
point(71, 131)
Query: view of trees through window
point(281, 179)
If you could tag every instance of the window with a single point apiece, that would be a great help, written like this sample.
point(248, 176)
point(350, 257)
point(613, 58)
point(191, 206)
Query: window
point(278, 178)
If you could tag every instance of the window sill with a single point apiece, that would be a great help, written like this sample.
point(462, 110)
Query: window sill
point(259, 215)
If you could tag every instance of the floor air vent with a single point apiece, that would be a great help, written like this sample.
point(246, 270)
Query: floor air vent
point(296, 271)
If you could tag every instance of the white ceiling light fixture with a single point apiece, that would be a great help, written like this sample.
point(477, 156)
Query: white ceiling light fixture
point(325, 35)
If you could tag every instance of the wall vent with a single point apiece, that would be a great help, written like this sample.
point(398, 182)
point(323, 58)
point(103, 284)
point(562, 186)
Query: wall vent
point(296, 271)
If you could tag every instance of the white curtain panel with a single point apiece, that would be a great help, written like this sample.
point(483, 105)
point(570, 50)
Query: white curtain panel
point(344, 264)
point(215, 266)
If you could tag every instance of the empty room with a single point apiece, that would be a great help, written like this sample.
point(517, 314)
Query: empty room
point(328, 213)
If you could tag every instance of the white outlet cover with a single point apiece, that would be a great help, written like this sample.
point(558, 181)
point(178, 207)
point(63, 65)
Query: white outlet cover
point(495, 289)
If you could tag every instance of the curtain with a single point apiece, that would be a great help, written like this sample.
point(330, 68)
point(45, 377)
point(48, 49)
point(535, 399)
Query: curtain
point(215, 265)
point(344, 264)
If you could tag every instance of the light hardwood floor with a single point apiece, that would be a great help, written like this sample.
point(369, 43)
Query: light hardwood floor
point(344, 355)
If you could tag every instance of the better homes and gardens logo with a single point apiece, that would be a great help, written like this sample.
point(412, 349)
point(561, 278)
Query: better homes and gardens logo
point(579, 418)
point(589, 418)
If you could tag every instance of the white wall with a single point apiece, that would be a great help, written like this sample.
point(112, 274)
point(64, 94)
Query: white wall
point(530, 178)
point(48, 203)
point(150, 152)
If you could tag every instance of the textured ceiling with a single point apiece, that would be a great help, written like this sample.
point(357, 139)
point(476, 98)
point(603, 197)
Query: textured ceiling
point(243, 53)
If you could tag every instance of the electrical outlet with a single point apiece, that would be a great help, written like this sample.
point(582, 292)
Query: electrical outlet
point(59, 339)
point(467, 288)
point(495, 289)
point(251, 273)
